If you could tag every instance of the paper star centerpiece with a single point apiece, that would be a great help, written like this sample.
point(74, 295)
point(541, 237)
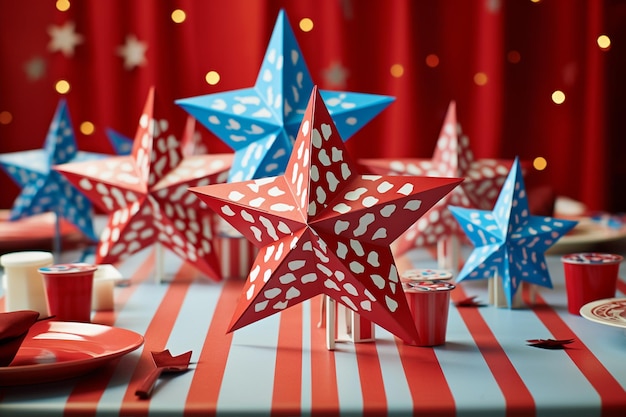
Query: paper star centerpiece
point(322, 228)
point(261, 123)
point(146, 195)
point(43, 189)
point(452, 158)
point(510, 242)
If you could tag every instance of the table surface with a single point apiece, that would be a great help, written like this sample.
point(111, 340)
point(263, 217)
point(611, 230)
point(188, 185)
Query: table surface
point(280, 365)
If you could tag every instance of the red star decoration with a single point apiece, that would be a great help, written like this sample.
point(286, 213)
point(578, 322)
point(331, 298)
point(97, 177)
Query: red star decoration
point(322, 228)
point(146, 194)
point(452, 158)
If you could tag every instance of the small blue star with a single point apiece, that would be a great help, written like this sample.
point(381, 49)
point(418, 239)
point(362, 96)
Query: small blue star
point(260, 123)
point(509, 241)
point(42, 188)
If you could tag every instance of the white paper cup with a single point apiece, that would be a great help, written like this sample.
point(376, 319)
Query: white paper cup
point(23, 285)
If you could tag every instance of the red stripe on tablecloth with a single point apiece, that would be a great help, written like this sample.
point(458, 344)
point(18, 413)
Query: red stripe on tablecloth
point(518, 399)
point(287, 395)
point(208, 375)
point(324, 394)
point(155, 339)
point(420, 364)
point(90, 390)
point(611, 393)
point(372, 385)
point(621, 286)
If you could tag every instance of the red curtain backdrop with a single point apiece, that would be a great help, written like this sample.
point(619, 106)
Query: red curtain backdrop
point(500, 60)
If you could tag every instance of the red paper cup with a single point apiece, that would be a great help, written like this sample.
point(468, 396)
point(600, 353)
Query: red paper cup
point(429, 303)
point(69, 290)
point(589, 277)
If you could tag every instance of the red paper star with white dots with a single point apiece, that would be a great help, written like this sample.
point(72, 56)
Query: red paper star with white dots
point(146, 194)
point(322, 228)
point(452, 158)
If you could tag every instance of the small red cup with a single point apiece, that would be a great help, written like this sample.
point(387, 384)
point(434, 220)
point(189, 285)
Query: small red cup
point(429, 303)
point(69, 290)
point(589, 277)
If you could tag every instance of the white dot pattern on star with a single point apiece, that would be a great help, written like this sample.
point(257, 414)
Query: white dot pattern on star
point(324, 228)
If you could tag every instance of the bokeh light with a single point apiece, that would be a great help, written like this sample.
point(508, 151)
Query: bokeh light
point(513, 56)
point(62, 87)
point(87, 128)
point(397, 70)
point(540, 163)
point(432, 60)
point(558, 97)
point(63, 5)
point(604, 42)
point(5, 117)
point(480, 78)
point(212, 77)
point(178, 16)
point(306, 25)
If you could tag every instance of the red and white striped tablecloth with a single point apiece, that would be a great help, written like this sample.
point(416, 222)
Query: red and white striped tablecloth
point(280, 365)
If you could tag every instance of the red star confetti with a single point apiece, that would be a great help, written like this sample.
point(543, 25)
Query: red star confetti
point(147, 198)
point(322, 228)
point(549, 343)
point(452, 158)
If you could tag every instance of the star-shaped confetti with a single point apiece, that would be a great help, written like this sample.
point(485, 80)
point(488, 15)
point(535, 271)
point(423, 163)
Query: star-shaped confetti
point(43, 189)
point(322, 228)
point(509, 241)
point(64, 38)
point(133, 51)
point(261, 123)
point(145, 194)
point(452, 158)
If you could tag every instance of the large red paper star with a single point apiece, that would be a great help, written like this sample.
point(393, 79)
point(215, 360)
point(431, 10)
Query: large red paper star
point(322, 228)
point(146, 194)
point(452, 158)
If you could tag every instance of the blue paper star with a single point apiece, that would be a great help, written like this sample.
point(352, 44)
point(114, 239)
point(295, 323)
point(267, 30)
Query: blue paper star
point(509, 241)
point(122, 145)
point(260, 123)
point(42, 188)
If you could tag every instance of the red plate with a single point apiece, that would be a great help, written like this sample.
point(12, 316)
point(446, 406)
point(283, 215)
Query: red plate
point(56, 350)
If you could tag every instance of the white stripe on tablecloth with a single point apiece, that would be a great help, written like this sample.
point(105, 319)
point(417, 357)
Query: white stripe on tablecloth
point(189, 333)
point(349, 389)
point(471, 382)
point(397, 390)
point(136, 316)
point(248, 381)
point(512, 328)
point(307, 388)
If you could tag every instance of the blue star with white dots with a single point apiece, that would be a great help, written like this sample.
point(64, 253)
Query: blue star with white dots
point(509, 242)
point(42, 188)
point(260, 123)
